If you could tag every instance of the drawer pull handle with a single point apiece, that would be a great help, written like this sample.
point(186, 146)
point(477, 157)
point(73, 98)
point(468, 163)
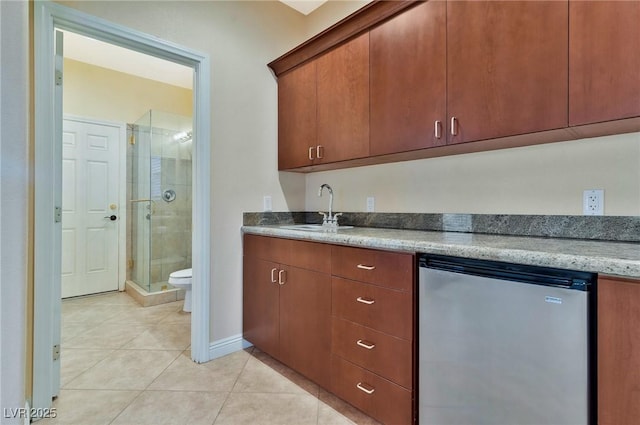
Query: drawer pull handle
point(365, 301)
point(273, 275)
point(363, 267)
point(363, 389)
point(281, 281)
point(364, 344)
point(311, 153)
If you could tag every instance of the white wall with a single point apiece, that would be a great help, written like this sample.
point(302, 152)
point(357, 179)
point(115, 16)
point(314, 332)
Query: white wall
point(241, 38)
point(14, 193)
point(542, 179)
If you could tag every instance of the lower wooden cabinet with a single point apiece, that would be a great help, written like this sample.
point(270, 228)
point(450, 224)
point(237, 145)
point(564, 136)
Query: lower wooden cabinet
point(618, 351)
point(355, 339)
point(287, 309)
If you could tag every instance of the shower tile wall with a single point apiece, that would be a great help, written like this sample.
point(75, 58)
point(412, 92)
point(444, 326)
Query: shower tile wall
point(170, 222)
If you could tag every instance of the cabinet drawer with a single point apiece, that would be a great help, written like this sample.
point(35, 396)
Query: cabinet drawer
point(388, 356)
point(311, 256)
point(378, 308)
point(376, 396)
point(390, 269)
point(267, 248)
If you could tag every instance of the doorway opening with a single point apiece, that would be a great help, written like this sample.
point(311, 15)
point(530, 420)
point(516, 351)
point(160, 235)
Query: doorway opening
point(50, 17)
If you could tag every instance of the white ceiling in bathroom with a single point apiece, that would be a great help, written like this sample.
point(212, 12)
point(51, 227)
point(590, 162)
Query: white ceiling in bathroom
point(110, 56)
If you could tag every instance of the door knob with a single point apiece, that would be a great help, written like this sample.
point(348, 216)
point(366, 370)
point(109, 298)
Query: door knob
point(111, 217)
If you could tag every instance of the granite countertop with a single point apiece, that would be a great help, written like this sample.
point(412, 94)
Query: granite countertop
point(614, 258)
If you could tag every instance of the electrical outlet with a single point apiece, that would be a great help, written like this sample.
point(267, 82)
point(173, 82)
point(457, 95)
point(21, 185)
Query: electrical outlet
point(267, 207)
point(593, 202)
point(371, 204)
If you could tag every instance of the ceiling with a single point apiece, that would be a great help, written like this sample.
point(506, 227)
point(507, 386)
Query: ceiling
point(105, 55)
point(304, 6)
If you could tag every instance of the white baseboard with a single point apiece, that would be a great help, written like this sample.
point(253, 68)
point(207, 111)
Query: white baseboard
point(227, 345)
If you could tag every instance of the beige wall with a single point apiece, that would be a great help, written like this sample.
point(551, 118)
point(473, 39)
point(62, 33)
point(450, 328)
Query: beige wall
point(542, 179)
point(241, 37)
point(94, 92)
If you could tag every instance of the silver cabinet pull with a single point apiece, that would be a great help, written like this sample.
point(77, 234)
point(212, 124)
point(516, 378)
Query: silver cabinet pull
point(365, 301)
point(361, 388)
point(281, 273)
point(454, 126)
point(364, 344)
point(363, 267)
point(319, 150)
point(310, 153)
point(437, 129)
point(273, 275)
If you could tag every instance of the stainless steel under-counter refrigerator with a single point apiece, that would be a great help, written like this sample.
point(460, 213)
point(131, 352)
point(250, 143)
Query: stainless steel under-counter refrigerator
point(505, 344)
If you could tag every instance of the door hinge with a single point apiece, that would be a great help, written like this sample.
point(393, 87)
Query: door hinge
point(58, 78)
point(57, 215)
point(56, 352)
point(130, 263)
point(132, 140)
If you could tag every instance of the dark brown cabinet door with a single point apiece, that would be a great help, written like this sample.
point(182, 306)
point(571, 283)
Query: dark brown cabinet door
point(297, 117)
point(604, 61)
point(305, 323)
point(343, 101)
point(260, 300)
point(507, 68)
point(408, 80)
point(618, 351)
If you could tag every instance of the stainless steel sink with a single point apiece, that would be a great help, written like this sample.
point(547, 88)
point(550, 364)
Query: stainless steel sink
point(313, 227)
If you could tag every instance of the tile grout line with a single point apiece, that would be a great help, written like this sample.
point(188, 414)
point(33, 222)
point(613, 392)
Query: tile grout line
point(231, 390)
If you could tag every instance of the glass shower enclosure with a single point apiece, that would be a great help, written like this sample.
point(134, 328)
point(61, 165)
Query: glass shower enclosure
point(159, 178)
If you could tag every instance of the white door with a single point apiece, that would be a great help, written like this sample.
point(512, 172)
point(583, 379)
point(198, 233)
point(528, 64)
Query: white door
point(90, 209)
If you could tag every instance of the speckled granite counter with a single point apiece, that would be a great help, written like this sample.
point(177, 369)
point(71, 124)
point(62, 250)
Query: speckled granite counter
point(615, 258)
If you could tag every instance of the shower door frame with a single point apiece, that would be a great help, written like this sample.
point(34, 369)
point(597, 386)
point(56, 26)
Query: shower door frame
point(50, 16)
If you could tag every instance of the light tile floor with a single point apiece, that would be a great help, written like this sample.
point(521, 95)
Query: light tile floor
point(126, 364)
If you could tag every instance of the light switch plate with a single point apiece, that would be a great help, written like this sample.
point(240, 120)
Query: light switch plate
point(371, 204)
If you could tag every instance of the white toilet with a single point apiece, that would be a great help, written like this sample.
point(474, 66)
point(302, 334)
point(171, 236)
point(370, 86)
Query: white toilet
point(182, 279)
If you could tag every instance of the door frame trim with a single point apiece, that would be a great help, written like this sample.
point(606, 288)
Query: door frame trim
point(48, 17)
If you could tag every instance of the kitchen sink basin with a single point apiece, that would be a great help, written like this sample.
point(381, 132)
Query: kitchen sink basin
point(313, 227)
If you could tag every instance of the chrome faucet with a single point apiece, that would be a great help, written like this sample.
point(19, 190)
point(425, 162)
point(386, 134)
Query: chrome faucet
point(331, 220)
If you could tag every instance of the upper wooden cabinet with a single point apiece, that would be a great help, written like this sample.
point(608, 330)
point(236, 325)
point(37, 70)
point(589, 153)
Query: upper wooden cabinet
point(604, 61)
point(506, 68)
point(297, 128)
point(323, 108)
point(343, 101)
point(408, 80)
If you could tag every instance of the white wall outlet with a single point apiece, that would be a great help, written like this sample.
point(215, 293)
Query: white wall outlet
point(593, 202)
point(371, 204)
point(266, 204)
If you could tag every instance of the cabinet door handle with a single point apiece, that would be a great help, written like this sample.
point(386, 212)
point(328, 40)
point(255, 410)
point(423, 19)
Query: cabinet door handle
point(364, 267)
point(363, 389)
point(281, 273)
point(454, 126)
point(319, 150)
point(364, 344)
point(273, 275)
point(311, 153)
point(437, 129)
point(365, 301)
